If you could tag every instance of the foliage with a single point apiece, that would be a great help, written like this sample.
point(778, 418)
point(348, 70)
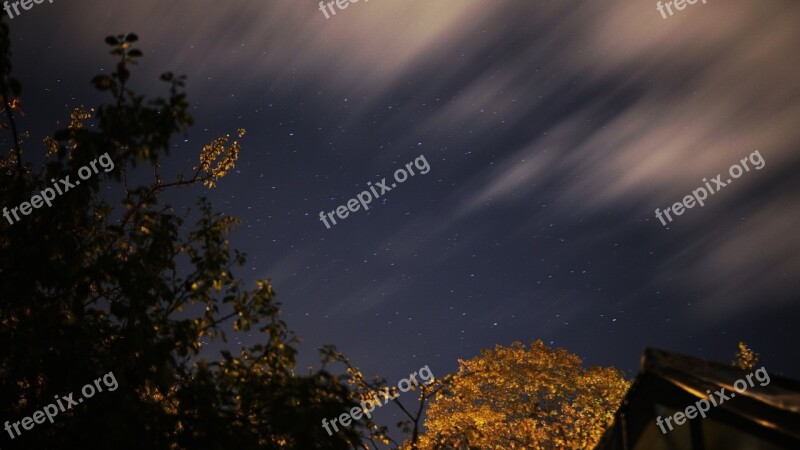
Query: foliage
point(364, 389)
point(746, 359)
point(524, 398)
point(113, 278)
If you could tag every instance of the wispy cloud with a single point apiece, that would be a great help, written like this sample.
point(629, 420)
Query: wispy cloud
point(598, 105)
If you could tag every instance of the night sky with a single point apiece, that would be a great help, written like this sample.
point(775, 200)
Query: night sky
point(553, 130)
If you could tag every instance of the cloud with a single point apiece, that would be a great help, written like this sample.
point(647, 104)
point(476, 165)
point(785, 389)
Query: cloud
point(586, 106)
point(685, 100)
point(746, 263)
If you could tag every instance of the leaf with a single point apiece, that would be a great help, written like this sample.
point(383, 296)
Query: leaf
point(103, 82)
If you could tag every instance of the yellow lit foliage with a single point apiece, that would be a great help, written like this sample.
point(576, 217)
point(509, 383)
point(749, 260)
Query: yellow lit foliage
point(746, 359)
point(224, 157)
point(524, 398)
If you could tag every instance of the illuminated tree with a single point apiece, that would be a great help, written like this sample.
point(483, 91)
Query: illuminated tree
point(524, 398)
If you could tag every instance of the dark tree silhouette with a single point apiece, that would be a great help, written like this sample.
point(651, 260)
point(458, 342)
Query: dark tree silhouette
point(111, 278)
